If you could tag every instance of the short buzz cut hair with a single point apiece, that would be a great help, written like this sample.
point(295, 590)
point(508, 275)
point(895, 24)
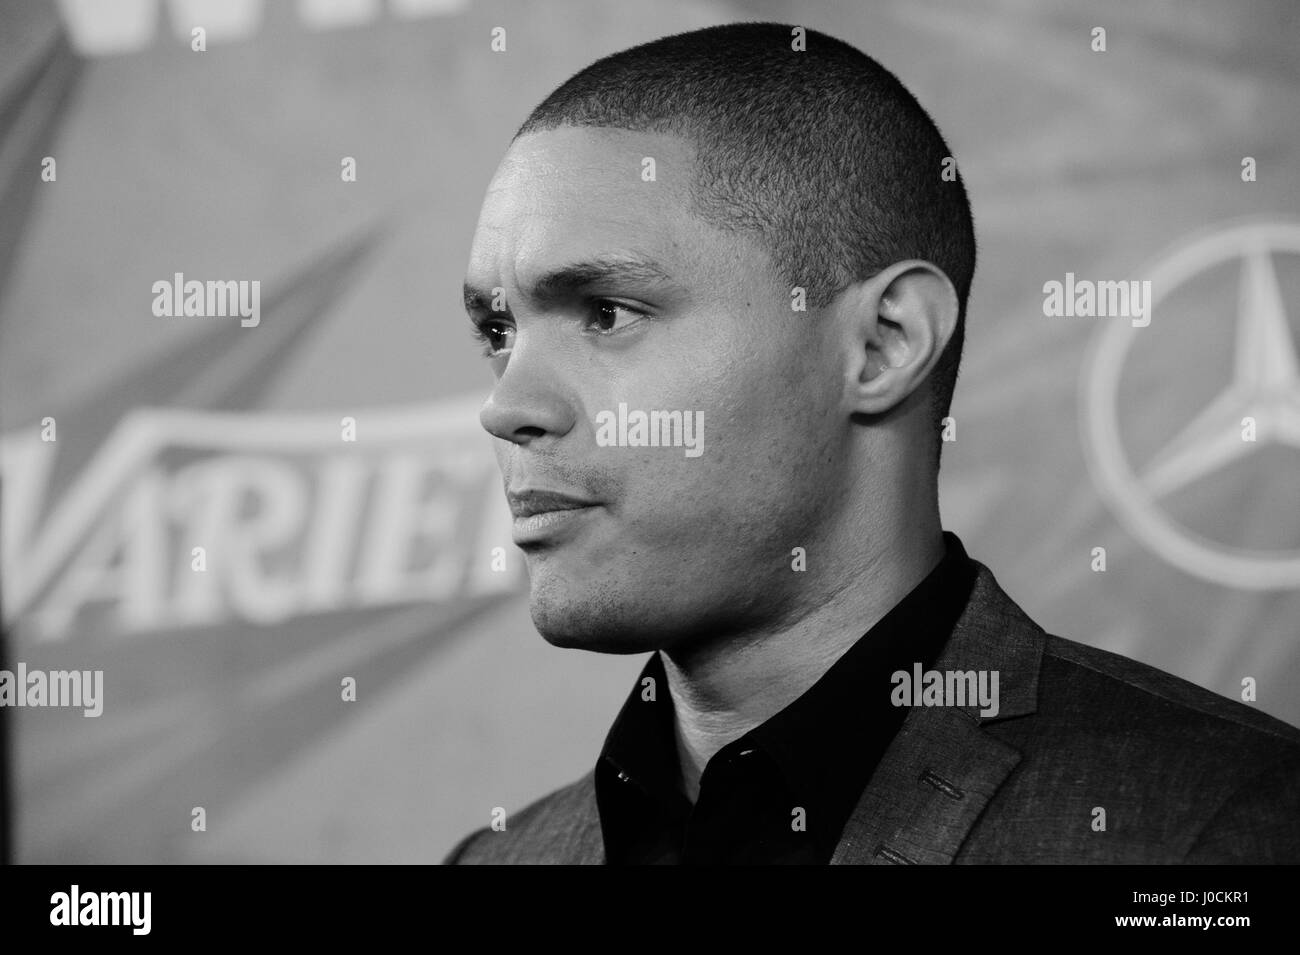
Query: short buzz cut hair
point(821, 152)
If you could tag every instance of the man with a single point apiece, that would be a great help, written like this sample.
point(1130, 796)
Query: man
point(721, 280)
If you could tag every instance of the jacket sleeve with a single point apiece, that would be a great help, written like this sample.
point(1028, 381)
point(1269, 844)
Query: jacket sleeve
point(1258, 823)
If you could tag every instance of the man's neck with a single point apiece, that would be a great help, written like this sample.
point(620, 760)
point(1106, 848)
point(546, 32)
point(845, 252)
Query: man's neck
point(721, 691)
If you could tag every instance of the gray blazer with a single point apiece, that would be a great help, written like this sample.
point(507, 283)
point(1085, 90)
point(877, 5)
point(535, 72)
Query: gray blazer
point(1183, 775)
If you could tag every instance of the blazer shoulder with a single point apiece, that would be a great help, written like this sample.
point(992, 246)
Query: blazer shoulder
point(1122, 680)
point(555, 828)
point(1183, 774)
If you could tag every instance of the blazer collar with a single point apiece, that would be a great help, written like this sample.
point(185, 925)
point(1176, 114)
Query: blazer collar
point(942, 768)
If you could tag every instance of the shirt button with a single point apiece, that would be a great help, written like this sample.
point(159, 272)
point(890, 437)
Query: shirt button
point(624, 777)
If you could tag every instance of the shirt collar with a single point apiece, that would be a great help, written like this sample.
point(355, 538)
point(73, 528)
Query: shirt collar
point(826, 743)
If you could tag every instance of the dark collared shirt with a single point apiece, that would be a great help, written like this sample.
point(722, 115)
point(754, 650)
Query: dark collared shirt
point(781, 793)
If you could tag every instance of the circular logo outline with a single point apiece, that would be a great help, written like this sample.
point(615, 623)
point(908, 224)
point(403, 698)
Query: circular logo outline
point(1104, 452)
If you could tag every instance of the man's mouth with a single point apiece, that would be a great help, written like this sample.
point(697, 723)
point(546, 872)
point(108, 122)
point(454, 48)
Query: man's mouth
point(541, 513)
point(530, 502)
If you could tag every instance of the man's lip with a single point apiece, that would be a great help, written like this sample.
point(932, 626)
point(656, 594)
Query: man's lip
point(529, 501)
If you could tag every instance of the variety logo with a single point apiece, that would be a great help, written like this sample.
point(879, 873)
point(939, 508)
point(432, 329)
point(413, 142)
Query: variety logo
point(290, 518)
point(106, 27)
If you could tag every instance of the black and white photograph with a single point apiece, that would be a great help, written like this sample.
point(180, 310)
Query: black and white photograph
point(690, 432)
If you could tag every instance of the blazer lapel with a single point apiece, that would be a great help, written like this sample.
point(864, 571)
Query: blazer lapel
point(942, 768)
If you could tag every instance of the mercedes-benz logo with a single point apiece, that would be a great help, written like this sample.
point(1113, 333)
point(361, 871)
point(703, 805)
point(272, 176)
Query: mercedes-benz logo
point(1265, 386)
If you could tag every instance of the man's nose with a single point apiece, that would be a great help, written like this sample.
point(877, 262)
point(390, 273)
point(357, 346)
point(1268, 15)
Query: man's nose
point(529, 401)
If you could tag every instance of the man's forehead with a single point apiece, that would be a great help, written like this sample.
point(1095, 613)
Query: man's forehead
point(572, 193)
point(615, 156)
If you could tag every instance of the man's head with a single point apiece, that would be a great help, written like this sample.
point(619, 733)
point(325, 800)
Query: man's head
point(647, 244)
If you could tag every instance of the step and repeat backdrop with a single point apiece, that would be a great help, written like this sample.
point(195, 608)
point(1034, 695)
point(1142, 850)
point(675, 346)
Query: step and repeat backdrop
point(254, 547)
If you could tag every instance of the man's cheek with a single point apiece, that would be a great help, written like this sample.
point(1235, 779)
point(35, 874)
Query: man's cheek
point(501, 450)
point(687, 498)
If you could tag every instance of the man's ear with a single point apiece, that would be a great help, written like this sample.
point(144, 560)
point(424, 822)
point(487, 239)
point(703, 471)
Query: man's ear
point(898, 323)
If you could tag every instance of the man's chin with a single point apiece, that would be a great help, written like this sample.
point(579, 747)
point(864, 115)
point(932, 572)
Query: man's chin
point(614, 605)
point(572, 631)
point(589, 618)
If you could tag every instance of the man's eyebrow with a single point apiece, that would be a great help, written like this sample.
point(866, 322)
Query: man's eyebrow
point(563, 282)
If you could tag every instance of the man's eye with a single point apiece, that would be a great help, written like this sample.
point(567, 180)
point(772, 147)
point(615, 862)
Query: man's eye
point(608, 317)
point(497, 338)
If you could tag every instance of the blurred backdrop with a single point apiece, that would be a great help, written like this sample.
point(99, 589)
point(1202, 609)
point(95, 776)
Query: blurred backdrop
point(128, 439)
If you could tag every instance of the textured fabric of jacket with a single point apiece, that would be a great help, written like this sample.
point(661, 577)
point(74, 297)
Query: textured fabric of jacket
point(1082, 739)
